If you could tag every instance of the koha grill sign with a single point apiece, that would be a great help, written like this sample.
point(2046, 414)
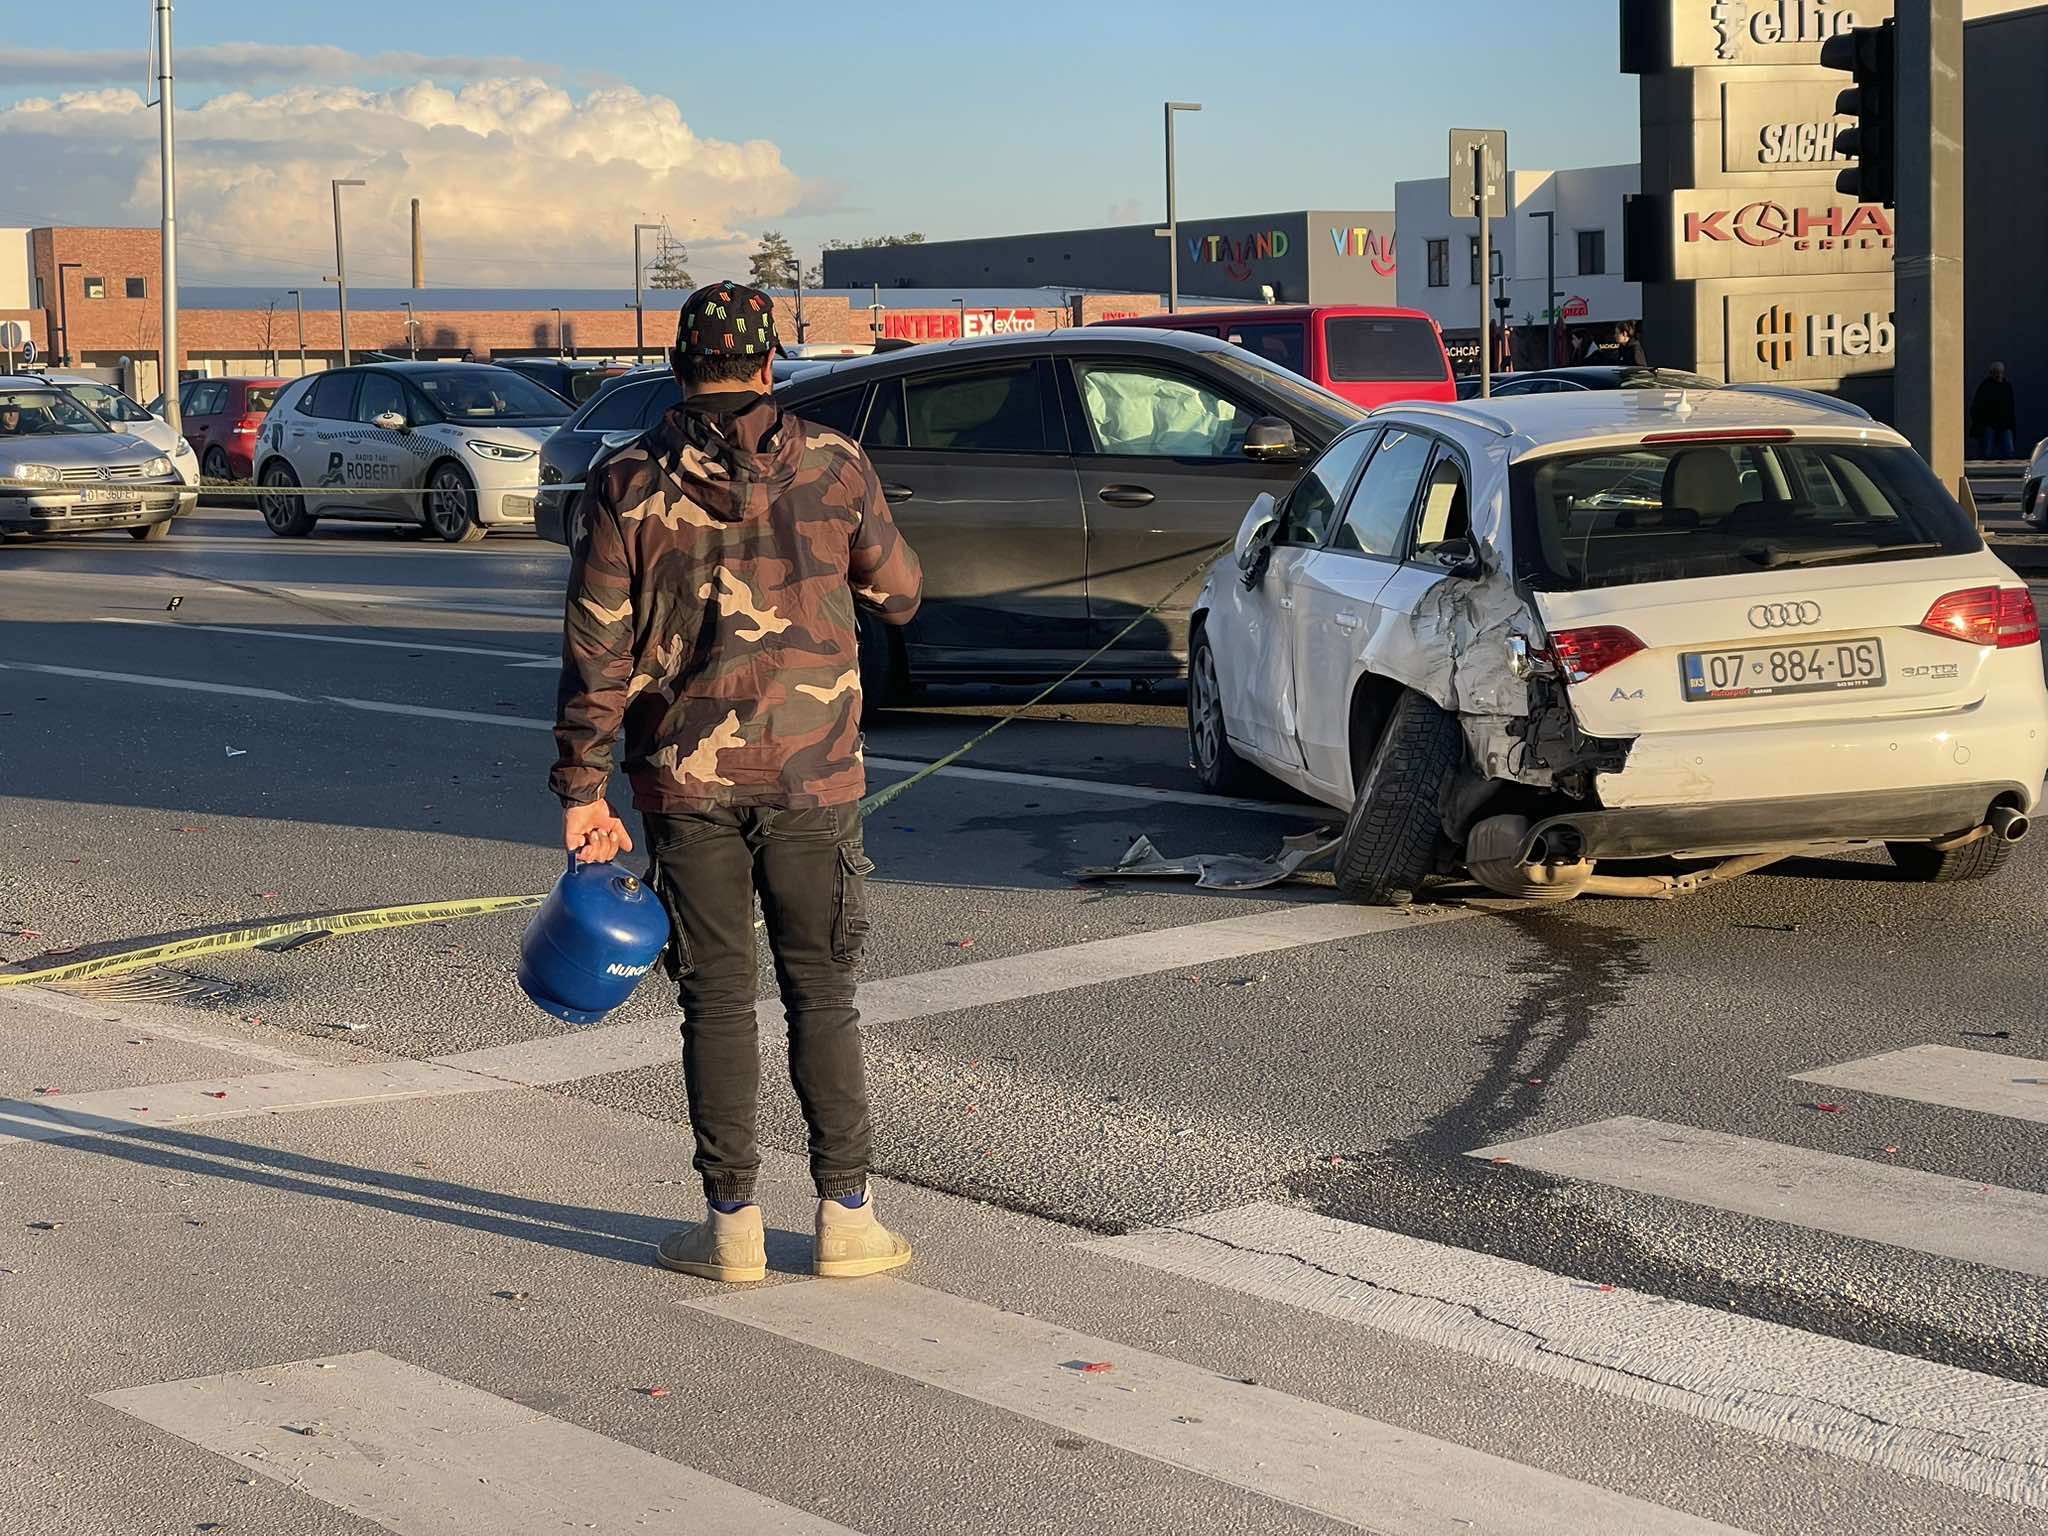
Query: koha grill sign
point(1717, 233)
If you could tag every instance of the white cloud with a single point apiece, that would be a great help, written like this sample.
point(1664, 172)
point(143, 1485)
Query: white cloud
point(520, 183)
point(243, 64)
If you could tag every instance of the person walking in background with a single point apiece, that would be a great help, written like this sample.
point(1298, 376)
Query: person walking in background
point(711, 612)
point(1993, 417)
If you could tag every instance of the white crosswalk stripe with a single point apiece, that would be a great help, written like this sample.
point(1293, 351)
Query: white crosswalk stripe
point(1372, 1475)
point(1854, 1197)
point(1993, 1084)
point(423, 1455)
point(1972, 1431)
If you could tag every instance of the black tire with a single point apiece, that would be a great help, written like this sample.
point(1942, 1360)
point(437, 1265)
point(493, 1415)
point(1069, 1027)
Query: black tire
point(1390, 843)
point(449, 507)
point(1973, 861)
point(215, 466)
point(881, 672)
point(153, 533)
point(284, 515)
point(2031, 508)
point(1220, 769)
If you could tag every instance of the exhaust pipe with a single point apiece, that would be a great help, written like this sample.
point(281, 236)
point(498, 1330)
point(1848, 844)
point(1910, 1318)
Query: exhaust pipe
point(2007, 823)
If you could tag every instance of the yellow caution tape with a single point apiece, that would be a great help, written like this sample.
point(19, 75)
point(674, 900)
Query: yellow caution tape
point(265, 933)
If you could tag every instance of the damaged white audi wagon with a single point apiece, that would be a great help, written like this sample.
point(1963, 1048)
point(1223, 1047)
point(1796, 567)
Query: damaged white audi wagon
point(1535, 639)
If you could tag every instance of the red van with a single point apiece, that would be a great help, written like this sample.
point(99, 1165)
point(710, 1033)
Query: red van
point(1367, 354)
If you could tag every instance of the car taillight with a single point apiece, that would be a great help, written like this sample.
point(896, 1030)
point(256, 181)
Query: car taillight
point(1581, 653)
point(249, 424)
point(1999, 616)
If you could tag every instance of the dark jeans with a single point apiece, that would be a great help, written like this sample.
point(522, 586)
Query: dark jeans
point(811, 874)
point(1995, 443)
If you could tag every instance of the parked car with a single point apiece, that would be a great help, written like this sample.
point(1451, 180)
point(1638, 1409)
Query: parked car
point(64, 470)
point(2033, 505)
point(222, 418)
point(452, 446)
point(122, 414)
point(1055, 484)
point(575, 379)
point(1368, 354)
point(1565, 381)
point(1529, 638)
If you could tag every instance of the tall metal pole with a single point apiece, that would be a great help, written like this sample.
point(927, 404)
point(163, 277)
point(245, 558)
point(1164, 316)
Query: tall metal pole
point(1928, 269)
point(558, 328)
point(1172, 230)
point(64, 309)
point(168, 284)
point(412, 345)
point(639, 303)
point(299, 304)
point(341, 266)
point(1485, 274)
point(1549, 218)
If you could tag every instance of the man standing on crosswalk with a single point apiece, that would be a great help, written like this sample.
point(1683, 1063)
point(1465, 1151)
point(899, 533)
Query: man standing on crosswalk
point(711, 614)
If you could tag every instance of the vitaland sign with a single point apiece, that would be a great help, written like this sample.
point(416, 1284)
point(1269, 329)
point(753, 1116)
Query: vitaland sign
point(1721, 232)
point(1780, 127)
point(1809, 335)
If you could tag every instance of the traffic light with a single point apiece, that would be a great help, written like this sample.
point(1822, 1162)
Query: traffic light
point(1871, 54)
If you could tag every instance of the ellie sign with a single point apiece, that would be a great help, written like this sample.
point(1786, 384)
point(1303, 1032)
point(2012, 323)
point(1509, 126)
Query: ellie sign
point(1731, 34)
point(1720, 232)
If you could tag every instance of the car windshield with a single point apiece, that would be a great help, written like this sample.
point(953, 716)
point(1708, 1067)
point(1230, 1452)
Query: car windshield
point(490, 394)
point(1674, 510)
point(105, 403)
point(1326, 413)
point(44, 413)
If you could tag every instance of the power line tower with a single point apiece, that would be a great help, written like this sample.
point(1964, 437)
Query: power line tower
point(670, 268)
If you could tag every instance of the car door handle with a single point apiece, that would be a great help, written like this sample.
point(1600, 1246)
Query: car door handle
point(1346, 620)
point(1125, 496)
point(893, 492)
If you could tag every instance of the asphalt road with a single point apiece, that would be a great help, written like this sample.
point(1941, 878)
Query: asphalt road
point(227, 727)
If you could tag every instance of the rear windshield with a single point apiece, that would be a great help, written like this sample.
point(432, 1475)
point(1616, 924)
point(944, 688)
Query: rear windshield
point(585, 382)
point(260, 398)
point(1362, 348)
point(1278, 341)
point(1668, 511)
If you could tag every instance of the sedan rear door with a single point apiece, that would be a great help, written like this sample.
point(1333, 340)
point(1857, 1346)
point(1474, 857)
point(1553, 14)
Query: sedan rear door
point(1164, 481)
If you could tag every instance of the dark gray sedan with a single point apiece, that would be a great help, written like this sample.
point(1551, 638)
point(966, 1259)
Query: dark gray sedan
point(1056, 485)
point(64, 470)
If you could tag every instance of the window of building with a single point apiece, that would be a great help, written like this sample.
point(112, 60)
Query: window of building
point(138, 287)
point(1472, 250)
point(1440, 263)
point(95, 287)
point(1592, 252)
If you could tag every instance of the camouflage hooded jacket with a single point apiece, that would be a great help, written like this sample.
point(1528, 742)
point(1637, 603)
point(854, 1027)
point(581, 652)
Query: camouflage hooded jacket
point(711, 614)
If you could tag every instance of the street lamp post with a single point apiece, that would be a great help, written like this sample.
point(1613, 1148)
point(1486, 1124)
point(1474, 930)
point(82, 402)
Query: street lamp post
point(412, 334)
point(1172, 230)
point(1549, 218)
point(639, 303)
point(299, 303)
point(168, 237)
point(341, 264)
point(558, 328)
point(960, 305)
point(64, 311)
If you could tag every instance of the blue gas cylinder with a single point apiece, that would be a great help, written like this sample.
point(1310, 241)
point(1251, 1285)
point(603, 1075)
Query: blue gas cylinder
point(600, 930)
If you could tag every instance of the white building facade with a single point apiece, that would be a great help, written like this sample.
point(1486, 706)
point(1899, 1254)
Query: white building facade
point(1438, 256)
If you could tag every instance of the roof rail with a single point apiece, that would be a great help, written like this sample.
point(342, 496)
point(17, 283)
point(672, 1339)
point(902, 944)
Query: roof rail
point(1804, 397)
point(1461, 411)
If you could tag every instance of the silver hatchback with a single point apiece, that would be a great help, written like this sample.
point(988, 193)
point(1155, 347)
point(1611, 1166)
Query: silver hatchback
point(64, 470)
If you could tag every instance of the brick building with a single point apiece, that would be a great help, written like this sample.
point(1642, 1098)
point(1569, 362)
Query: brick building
point(90, 299)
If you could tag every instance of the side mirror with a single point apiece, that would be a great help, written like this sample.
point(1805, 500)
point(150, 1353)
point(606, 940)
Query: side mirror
point(1270, 440)
point(389, 421)
point(1456, 557)
point(1255, 539)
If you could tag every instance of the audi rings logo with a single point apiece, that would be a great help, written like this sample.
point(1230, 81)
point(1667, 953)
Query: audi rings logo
point(1783, 615)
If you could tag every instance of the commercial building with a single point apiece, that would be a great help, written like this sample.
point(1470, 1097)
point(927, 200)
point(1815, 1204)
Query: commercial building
point(1439, 265)
point(1309, 257)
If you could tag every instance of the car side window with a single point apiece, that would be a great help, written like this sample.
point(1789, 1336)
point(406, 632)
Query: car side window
point(885, 417)
point(622, 410)
point(987, 410)
point(1312, 505)
point(837, 412)
point(666, 392)
point(1378, 512)
point(1446, 507)
point(330, 396)
point(380, 393)
point(207, 400)
point(1145, 413)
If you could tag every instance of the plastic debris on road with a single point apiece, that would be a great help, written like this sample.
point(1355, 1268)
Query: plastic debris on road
point(1220, 871)
point(1089, 1367)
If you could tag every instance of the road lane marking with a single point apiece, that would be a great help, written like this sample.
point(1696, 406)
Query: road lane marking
point(2013, 1086)
point(459, 600)
point(421, 1454)
point(1879, 1202)
point(1306, 1454)
point(521, 658)
point(1969, 1430)
point(429, 712)
point(182, 684)
point(231, 1098)
point(895, 999)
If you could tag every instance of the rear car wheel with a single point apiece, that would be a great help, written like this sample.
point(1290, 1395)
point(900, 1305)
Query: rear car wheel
point(1220, 769)
point(216, 466)
point(283, 508)
point(451, 505)
point(1973, 861)
point(154, 533)
point(1390, 843)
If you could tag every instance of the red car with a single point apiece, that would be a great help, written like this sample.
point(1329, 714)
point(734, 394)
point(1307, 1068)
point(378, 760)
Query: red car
point(1369, 355)
point(222, 418)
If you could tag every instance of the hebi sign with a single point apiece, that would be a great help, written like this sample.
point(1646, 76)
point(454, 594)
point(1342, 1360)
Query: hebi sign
point(952, 324)
point(1806, 336)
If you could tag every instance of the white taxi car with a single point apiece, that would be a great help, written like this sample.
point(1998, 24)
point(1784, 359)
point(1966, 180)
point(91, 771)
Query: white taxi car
point(451, 446)
point(1534, 637)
